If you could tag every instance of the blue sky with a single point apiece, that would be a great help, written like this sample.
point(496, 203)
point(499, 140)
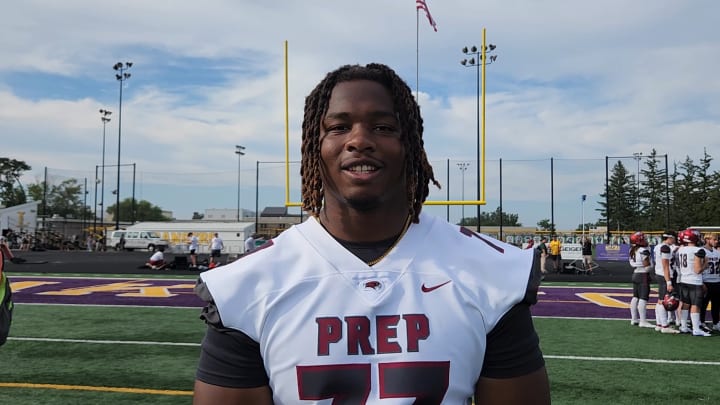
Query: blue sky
point(574, 81)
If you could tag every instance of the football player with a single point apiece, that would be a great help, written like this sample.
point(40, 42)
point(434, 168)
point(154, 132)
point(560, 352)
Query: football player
point(691, 260)
point(640, 261)
point(663, 256)
point(675, 316)
point(6, 304)
point(711, 279)
point(370, 300)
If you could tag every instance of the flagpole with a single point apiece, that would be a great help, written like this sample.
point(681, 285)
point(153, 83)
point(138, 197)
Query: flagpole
point(417, 55)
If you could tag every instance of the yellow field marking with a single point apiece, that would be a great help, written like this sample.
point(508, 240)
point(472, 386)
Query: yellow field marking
point(23, 285)
point(100, 389)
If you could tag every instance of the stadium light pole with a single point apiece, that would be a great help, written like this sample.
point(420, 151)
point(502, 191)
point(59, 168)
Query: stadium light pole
point(105, 118)
point(479, 59)
point(95, 204)
point(121, 76)
point(637, 156)
point(239, 150)
point(582, 216)
point(463, 166)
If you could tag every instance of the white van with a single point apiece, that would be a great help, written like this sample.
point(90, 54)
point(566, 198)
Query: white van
point(136, 240)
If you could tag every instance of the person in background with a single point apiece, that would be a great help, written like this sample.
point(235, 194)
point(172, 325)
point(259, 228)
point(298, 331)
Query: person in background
point(640, 262)
point(370, 297)
point(157, 260)
point(663, 276)
point(555, 253)
point(587, 255)
point(193, 246)
point(6, 304)
point(711, 279)
point(691, 260)
point(250, 244)
point(543, 249)
point(216, 247)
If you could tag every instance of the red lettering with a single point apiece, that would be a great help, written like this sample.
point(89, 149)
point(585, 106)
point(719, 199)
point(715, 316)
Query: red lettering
point(386, 330)
point(418, 328)
point(329, 331)
point(358, 334)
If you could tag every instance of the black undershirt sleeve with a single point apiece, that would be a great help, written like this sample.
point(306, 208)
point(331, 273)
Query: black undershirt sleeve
point(513, 346)
point(228, 357)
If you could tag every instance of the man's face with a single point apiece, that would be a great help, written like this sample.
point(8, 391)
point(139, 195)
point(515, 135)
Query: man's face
point(361, 148)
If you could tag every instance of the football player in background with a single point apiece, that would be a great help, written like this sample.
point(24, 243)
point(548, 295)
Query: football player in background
point(675, 316)
point(663, 275)
point(370, 298)
point(691, 260)
point(711, 279)
point(640, 261)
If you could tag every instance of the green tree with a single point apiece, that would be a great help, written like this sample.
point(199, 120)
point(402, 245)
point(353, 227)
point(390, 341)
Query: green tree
point(197, 215)
point(10, 172)
point(684, 193)
point(144, 211)
point(622, 200)
point(493, 219)
point(706, 208)
point(653, 195)
point(65, 199)
point(545, 225)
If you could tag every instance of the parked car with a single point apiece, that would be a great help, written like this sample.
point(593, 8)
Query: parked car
point(136, 240)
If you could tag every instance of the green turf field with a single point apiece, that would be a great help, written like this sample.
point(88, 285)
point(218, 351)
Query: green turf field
point(63, 354)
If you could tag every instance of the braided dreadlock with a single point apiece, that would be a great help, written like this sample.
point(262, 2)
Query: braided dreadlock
point(417, 168)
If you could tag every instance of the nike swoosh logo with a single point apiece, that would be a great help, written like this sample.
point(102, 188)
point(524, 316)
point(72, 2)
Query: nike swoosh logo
point(435, 287)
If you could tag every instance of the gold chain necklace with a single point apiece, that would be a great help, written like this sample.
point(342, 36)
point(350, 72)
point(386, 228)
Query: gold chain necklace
point(387, 252)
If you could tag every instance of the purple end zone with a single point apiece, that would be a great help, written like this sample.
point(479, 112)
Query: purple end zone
point(585, 302)
point(588, 302)
point(104, 291)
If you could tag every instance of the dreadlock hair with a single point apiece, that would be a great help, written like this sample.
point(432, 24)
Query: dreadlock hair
point(418, 171)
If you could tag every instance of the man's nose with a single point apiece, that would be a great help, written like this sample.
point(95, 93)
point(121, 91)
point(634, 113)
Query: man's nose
point(361, 138)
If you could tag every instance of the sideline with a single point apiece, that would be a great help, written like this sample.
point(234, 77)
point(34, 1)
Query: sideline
point(98, 389)
point(104, 342)
point(634, 360)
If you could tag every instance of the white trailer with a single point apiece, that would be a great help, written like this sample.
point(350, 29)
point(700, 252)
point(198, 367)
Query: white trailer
point(233, 234)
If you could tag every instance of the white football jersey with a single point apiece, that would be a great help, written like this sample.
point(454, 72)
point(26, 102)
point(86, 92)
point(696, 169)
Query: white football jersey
point(712, 271)
point(686, 263)
point(662, 251)
point(636, 262)
point(412, 326)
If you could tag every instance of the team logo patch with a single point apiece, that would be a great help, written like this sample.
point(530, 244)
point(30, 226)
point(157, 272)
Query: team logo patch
point(372, 285)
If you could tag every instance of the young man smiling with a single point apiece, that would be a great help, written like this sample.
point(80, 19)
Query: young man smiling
point(370, 300)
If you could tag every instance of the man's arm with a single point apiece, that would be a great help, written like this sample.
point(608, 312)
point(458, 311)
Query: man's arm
point(666, 274)
point(514, 370)
point(533, 388)
point(207, 394)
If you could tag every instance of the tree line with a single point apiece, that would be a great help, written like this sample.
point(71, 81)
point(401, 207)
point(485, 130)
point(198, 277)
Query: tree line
point(67, 199)
point(684, 195)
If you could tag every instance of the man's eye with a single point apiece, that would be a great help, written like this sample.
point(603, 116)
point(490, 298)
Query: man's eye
point(386, 129)
point(337, 128)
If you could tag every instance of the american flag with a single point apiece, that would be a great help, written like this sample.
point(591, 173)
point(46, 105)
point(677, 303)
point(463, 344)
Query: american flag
point(422, 5)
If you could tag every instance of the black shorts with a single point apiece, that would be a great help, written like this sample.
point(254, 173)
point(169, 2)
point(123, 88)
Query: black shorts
point(641, 285)
point(662, 286)
point(215, 253)
point(691, 294)
point(192, 252)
